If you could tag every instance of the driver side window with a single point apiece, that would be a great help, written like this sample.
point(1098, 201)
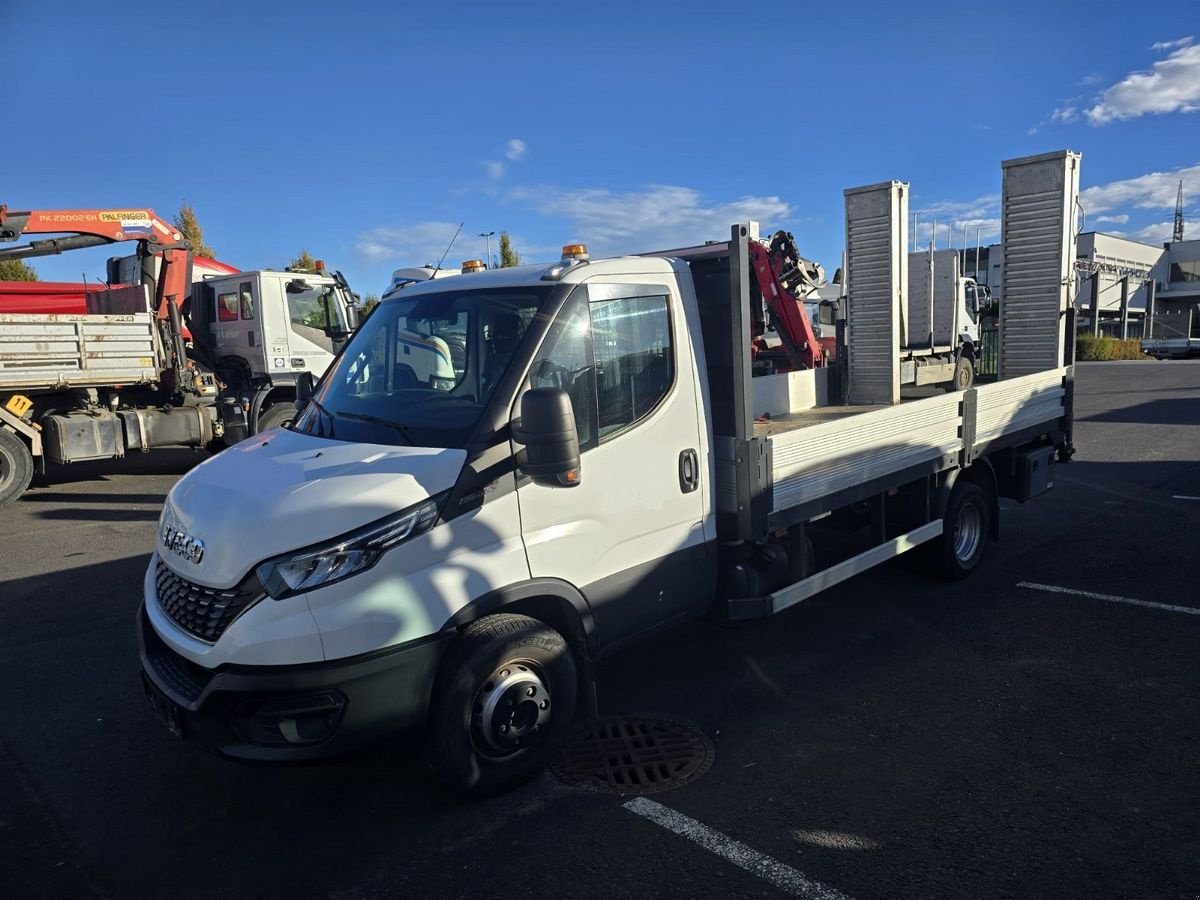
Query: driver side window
point(565, 361)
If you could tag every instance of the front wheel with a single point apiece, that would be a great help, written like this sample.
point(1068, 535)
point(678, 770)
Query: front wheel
point(502, 704)
point(16, 467)
point(964, 373)
point(276, 414)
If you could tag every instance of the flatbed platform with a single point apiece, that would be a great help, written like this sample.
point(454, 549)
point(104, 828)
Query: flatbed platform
point(768, 427)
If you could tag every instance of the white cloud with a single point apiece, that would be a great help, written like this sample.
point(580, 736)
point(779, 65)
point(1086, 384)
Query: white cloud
point(657, 218)
point(1162, 231)
point(1067, 114)
point(495, 169)
point(1092, 79)
point(1115, 220)
point(982, 213)
point(422, 243)
point(1155, 190)
point(1171, 45)
point(515, 149)
point(1172, 85)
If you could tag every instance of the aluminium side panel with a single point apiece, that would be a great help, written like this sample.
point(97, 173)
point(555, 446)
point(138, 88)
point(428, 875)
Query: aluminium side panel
point(1018, 404)
point(921, 271)
point(876, 287)
point(932, 294)
point(819, 460)
point(59, 351)
point(945, 296)
point(1040, 196)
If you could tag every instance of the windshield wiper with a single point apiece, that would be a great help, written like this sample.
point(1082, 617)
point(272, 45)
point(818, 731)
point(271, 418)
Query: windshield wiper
point(322, 409)
point(399, 427)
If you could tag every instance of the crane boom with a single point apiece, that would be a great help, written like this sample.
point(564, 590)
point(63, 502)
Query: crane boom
point(96, 227)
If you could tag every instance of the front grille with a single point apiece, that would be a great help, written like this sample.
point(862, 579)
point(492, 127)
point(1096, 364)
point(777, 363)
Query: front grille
point(183, 676)
point(202, 611)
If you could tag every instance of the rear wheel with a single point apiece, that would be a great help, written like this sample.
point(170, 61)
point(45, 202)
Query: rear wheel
point(502, 704)
point(966, 524)
point(16, 467)
point(278, 414)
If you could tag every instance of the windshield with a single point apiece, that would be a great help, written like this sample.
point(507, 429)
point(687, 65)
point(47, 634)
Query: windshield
point(315, 311)
point(421, 370)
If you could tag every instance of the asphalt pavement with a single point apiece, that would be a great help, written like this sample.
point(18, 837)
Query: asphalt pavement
point(896, 735)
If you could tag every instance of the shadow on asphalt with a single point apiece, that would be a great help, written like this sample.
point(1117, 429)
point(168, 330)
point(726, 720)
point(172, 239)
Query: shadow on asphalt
point(1170, 411)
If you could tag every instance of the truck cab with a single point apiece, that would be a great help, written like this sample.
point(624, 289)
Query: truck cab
point(261, 330)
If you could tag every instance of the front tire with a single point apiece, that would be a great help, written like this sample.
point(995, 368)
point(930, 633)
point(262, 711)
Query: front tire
point(502, 705)
point(964, 373)
point(276, 414)
point(16, 467)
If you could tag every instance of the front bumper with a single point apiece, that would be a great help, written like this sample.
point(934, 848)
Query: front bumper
point(293, 713)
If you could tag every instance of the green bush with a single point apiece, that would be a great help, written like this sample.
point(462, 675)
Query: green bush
point(1089, 348)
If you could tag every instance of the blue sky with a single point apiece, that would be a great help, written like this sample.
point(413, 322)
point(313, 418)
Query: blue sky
point(365, 132)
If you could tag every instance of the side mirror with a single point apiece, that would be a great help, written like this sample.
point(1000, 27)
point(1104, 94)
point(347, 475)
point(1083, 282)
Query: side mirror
point(353, 316)
point(547, 429)
point(304, 390)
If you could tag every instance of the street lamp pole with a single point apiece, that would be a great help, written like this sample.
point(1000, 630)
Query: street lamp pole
point(488, 235)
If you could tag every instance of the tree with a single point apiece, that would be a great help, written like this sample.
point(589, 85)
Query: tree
point(185, 221)
point(508, 256)
point(16, 270)
point(369, 303)
point(303, 263)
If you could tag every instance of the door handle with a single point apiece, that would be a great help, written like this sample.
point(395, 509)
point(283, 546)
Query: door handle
point(689, 471)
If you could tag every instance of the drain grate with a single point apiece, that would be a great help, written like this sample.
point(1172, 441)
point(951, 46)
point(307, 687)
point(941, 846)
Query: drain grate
point(638, 755)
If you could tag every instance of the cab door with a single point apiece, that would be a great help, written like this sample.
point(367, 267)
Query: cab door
point(236, 327)
point(630, 535)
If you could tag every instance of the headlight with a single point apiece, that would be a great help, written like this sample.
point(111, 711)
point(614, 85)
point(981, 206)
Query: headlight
point(347, 555)
point(442, 384)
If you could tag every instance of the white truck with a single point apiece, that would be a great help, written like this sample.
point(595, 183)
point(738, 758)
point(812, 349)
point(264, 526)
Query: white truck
point(452, 559)
point(941, 321)
point(124, 378)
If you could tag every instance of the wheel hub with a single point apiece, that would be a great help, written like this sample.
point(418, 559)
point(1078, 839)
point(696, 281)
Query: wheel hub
point(511, 709)
point(967, 532)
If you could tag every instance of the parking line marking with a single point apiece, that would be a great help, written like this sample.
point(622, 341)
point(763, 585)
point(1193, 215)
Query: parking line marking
point(1183, 497)
point(770, 870)
point(1111, 598)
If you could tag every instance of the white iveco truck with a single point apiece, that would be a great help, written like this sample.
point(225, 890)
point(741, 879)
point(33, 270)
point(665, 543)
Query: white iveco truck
point(453, 557)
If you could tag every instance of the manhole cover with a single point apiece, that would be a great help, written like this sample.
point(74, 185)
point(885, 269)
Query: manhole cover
point(634, 755)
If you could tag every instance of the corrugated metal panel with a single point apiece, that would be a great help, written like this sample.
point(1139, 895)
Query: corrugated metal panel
point(1038, 239)
point(1017, 403)
point(78, 351)
point(817, 460)
point(877, 284)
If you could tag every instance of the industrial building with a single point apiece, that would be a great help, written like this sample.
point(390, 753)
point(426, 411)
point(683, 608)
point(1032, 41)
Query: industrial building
point(1118, 280)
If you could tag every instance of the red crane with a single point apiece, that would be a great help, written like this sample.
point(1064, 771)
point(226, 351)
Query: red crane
point(96, 227)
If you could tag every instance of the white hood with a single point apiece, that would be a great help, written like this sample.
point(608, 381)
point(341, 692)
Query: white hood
point(281, 491)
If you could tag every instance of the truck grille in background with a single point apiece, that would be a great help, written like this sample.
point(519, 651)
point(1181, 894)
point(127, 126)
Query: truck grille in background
point(201, 611)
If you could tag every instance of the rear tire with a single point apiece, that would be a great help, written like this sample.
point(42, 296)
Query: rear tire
point(16, 467)
point(966, 526)
point(502, 705)
point(276, 414)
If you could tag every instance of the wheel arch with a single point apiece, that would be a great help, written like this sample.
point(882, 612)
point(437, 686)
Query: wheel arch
point(267, 397)
point(554, 602)
point(982, 473)
point(551, 600)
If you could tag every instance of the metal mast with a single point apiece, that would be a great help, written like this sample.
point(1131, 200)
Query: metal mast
point(1178, 235)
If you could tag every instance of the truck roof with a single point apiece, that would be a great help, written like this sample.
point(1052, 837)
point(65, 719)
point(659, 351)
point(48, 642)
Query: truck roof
point(528, 276)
